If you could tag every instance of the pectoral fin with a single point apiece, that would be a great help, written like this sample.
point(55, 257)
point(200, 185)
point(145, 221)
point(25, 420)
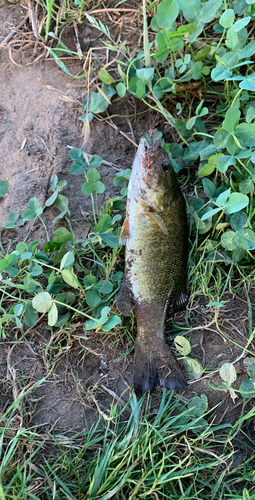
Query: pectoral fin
point(157, 219)
point(124, 232)
point(124, 300)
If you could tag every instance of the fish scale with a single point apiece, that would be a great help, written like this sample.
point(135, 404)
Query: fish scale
point(156, 239)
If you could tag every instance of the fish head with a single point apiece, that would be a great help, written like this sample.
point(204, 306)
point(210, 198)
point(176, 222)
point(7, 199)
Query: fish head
point(152, 180)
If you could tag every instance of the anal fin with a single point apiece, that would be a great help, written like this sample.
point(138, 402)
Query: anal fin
point(124, 300)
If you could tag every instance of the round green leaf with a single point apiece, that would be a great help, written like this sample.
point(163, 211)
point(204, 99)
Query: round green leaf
point(37, 270)
point(182, 345)
point(236, 202)
point(227, 18)
point(95, 161)
point(99, 187)
point(193, 367)
point(167, 12)
point(87, 187)
point(4, 186)
point(238, 220)
point(198, 406)
point(228, 240)
point(110, 239)
point(104, 286)
point(89, 280)
point(35, 205)
point(245, 238)
point(247, 388)
point(93, 175)
point(28, 214)
point(121, 89)
point(21, 247)
point(145, 74)
point(30, 317)
point(246, 186)
point(92, 298)
point(18, 308)
point(228, 373)
point(42, 302)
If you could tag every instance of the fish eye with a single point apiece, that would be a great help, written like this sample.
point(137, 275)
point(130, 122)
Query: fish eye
point(165, 166)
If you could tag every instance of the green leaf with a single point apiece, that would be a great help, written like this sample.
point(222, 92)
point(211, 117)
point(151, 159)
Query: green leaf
point(104, 286)
point(193, 367)
point(145, 74)
point(70, 278)
point(167, 12)
point(35, 205)
point(3, 264)
point(247, 388)
point(98, 103)
point(89, 280)
point(30, 317)
point(227, 18)
point(228, 373)
point(251, 370)
point(238, 220)
point(95, 161)
point(110, 239)
point(87, 187)
point(53, 315)
point(42, 302)
point(236, 40)
point(245, 238)
point(223, 197)
point(104, 224)
point(78, 167)
point(250, 114)
point(93, 175)
point(236, 202)
point(228, 240)
point(224, 162)
point(245, 131)
point(28, 215)
point(246, 186)
point(67, 260)
point(99, 187)
point(36, 270)
point(241, 23)
point(105, 77)
point(62, 236)
point(111, 323)
point(21, 247)
point(198, 406)
point(248, 83)
point(182, 345)
point(232, 119)
point(4, 186)
point(121, 89)
point(18, 309)
point(93, 298)
point(211, 213)
point(140, 89)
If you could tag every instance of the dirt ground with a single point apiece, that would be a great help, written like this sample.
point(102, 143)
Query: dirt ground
point(40, 118)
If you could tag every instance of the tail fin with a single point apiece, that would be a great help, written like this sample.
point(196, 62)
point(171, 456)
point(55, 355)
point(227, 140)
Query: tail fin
point(156, 367)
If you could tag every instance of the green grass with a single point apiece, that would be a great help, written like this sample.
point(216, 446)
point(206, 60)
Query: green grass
point(172, 454)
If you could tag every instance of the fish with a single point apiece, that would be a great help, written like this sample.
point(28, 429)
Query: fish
point(156, 238)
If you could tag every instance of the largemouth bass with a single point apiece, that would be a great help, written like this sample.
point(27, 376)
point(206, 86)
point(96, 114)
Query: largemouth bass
point(156, 239)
